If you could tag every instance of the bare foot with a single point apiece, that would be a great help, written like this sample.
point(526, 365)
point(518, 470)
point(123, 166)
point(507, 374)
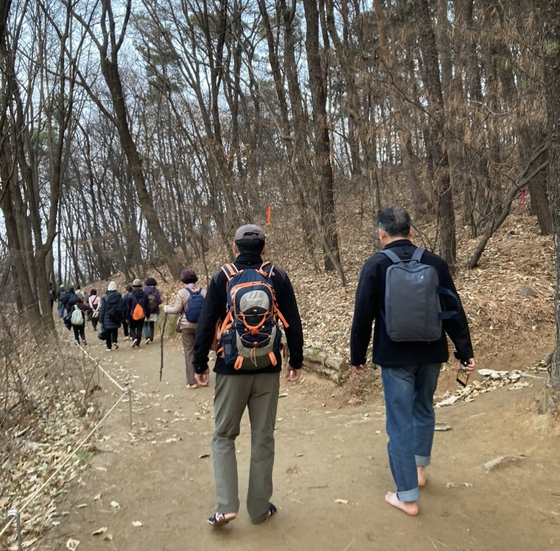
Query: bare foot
point(421, 476)
point(409, 507)
point(219, 519)
point(192, 386)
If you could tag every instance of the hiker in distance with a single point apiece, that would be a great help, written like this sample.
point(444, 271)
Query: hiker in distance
point(62, 294)
point(94, 301)
point(154, 300)
point(188, 305)
point(126, 328)
point(136, 310)
point(78, 320)
point(409, 344)
point(250, 296)
point(110, 316)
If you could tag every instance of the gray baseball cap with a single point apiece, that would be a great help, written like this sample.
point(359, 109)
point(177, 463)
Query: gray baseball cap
point(249, 231)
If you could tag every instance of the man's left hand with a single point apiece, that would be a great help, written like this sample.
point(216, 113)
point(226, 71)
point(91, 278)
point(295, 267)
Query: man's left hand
point(202, 378)
point(359, 369)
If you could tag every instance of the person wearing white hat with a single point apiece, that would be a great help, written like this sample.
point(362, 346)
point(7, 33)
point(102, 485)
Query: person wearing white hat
point(110, 315)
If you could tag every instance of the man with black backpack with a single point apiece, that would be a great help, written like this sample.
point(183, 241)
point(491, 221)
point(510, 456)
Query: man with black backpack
point(250, 297)
point(410, 294)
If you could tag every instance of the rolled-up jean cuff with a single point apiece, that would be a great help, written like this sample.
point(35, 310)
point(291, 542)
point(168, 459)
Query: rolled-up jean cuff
point(422, 461)
point(409, 495)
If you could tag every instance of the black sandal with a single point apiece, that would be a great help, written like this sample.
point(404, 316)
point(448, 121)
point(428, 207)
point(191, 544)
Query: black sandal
point(219, 519)
point(272, 510)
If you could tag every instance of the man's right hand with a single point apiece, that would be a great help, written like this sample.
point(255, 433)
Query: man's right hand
point(359, 369)
point(469, 366)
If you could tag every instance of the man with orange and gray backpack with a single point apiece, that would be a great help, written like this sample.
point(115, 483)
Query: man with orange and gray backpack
point(251, 298)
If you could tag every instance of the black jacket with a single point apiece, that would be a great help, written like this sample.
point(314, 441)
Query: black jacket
point(215, 308)
point(111, 307)
point(369, 306)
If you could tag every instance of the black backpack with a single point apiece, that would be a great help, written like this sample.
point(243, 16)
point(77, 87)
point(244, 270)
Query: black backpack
point(152, 303)
point(413, 311)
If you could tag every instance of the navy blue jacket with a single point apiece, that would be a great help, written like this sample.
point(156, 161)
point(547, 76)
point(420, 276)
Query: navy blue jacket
point(70, 300)
point(215, 308)
point(369, 307)
point(136, 296)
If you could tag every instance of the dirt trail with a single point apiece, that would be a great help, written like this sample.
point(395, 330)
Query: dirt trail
point(160, 474)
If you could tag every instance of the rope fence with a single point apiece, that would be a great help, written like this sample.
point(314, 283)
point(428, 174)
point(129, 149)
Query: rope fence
point(15, 514)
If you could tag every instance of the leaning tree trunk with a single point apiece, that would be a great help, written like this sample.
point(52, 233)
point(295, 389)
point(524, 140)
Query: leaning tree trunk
point(551, 51)
point(111, 74)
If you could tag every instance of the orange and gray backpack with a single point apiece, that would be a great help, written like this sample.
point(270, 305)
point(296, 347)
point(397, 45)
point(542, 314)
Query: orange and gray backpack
point(249, 337)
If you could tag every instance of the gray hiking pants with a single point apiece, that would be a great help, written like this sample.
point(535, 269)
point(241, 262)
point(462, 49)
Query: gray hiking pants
point(259, 393)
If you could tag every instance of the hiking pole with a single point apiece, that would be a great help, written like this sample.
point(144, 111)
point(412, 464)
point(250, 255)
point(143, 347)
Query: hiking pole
point(162, 333)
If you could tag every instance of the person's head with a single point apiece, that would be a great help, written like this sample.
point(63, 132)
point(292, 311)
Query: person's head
point(151, 282)
point(93, 292)
point(128, 287)
point(394, 223)
point(62, 287)
point(137, 284)
point(188, 275)
point(71, 290)
point(112, 286)
point(78, 288)
point(249, 239)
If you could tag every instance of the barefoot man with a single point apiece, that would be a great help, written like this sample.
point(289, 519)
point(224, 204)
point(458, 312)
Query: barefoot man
point(409, 343)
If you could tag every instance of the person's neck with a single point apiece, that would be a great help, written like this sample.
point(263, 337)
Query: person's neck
point(388, 240)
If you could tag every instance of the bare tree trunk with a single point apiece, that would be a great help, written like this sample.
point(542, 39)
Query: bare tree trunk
point(422, 203)
point(445, 209)
point(551, 51)
point(529, 135)
point(317, 78)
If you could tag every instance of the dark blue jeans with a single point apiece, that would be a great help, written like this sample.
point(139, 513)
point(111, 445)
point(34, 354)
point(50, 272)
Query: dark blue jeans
point(409, 393)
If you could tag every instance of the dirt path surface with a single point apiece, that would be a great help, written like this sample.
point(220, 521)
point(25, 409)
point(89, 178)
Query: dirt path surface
point(331, 473)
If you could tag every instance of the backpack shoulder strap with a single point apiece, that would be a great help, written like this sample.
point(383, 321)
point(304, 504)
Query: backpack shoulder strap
point(190, 291)
point(392, 256)
point(230, 271)
point(266, 269)
point(417, 255)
